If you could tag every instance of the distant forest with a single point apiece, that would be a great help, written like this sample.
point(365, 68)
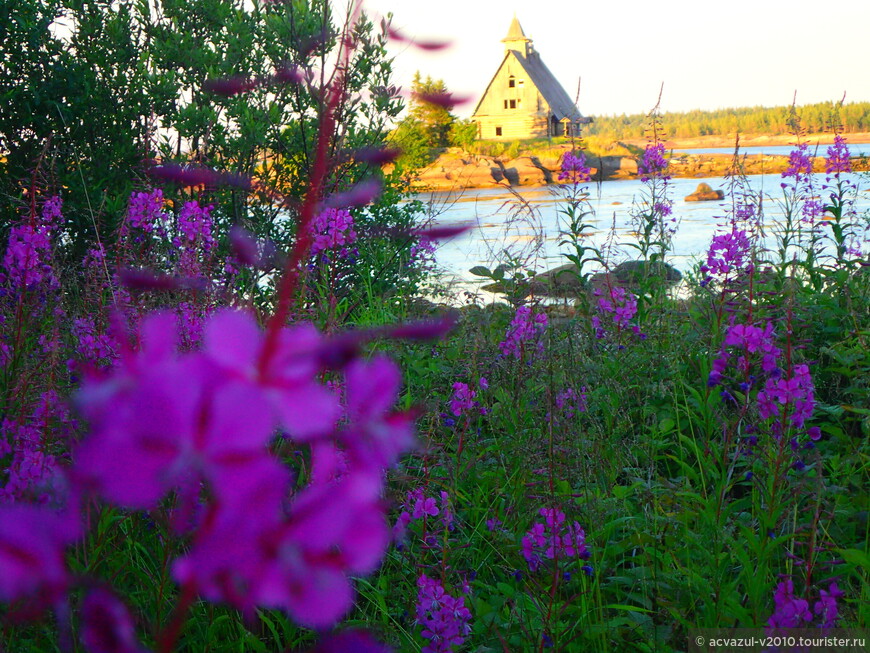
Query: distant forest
point(814, 118)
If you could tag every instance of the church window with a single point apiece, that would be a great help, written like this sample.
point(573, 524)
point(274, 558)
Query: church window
point(498, 131)
point(520, 82)
point(513, 104)
point(512, 81)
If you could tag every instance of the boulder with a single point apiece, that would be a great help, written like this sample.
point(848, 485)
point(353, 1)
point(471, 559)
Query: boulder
point(633, 272)
point(704, 193)
point(525, 172)
point(564, 281)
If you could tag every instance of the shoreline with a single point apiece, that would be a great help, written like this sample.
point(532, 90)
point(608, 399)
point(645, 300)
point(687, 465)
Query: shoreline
point(753, 140)
point(455, 169)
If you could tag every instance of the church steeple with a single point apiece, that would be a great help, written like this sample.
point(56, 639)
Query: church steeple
point(516, 39)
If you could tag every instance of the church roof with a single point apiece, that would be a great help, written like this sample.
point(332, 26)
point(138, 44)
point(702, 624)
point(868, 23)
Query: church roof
point(515, 32)
point(560, 102)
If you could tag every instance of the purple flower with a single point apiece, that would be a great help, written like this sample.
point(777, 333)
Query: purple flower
point(194, 239)
point(493, 524)
point(332, 229)
point(799, 162)
point(553, 539)
point(32, 544)
point(28, 250)
point(839, 159)
point(425, 506)
point(462, 399)
point(570, 402)
point(574, 168)
point(525, 329)
point(107, 626)
point(789, 611)
point(728, 252)
point(826, 606)
point(653, 163)
point(619, 307)
point(145, 210)
point(444, 618)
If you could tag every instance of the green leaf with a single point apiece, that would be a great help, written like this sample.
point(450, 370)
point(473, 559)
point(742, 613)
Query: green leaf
point(856, 557)
point(481, 271)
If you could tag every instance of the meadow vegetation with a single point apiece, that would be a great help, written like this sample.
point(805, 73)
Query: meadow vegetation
point(230, 424)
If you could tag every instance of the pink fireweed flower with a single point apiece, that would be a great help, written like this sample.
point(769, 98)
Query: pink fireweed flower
point(525, 331)
point(728, 253)
point(618, 306)
point(374, 434)
point(800, 170)
point(299, 563)
point(569, 402)
point(194, 240)
point(203, 421)
point(653, 164)
point(234, 342)
point(800, 162)
point(94, 348)
point(28, 251)
point(158, 416)
point(753, 341)
point(795, 389)
point(422, 254)
point(839, 158)
point(425, 506)
point(145, 210)
point(462, 399)
point(167, 421)
point(195, 226)
point(574, 168)
point(107, 626)
point(789, 611)
point(33, 474)
point(332, 230)
point(826, 606)
point(444, 618)
point(32, 544)
point(554, 538)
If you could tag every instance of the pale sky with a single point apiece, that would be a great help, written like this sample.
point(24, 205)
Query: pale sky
point(708, 55)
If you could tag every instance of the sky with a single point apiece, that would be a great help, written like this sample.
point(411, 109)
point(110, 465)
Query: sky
point(707, 55)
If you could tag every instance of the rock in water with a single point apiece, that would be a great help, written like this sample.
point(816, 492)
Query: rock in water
point(704, 193)
point(632, 272)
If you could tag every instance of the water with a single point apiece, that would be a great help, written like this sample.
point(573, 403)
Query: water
point(856, 149)
point(503, 229)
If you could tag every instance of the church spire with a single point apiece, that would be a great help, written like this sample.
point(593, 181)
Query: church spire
point(516, 39)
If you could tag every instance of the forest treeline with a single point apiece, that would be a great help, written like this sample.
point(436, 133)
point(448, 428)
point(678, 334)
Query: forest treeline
point(821, 117)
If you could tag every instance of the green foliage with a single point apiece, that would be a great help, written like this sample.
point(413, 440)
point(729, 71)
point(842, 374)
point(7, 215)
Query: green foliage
point(463, 133)
point(428, 127)
point(88, 105)
point(410, 137)
point(75, 104)
point(433, 118)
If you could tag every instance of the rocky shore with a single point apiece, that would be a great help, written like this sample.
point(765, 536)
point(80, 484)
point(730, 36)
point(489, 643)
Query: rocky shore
point(455, 169)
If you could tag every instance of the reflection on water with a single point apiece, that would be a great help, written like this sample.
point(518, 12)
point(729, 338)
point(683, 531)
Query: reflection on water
point(528, 226)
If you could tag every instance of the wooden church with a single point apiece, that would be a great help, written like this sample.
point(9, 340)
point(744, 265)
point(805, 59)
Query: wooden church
point(524, 100)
